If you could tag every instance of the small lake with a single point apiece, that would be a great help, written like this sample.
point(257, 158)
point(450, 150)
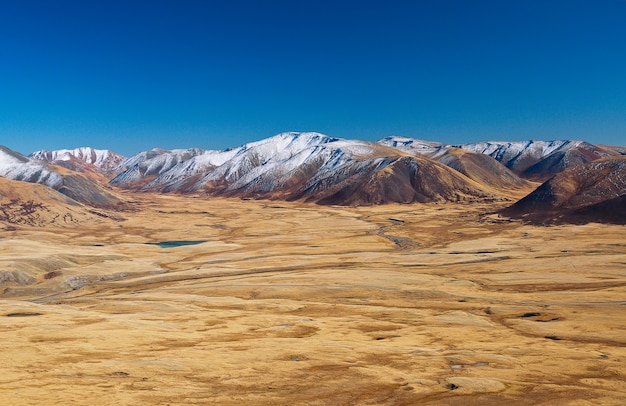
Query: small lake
point(176, 243)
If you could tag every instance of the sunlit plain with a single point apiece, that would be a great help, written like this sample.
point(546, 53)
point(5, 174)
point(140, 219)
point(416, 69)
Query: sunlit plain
point(288, 303)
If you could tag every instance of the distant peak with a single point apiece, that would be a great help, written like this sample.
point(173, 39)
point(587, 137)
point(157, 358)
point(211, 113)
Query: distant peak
point(100, 158)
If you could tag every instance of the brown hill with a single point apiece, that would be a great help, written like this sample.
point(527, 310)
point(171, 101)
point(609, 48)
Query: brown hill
point(30, 204)
point(485, 170)
point(405, 179)
point(589, 192)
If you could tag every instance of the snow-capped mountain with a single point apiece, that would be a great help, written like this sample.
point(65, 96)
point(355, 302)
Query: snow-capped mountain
point(309, 166)
point(172, 170)
point(274, 163)
point(102, 160)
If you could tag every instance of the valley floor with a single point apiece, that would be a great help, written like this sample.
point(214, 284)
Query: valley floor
point(283, 303)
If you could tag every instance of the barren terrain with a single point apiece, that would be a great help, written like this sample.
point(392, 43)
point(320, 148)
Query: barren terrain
point(287, 303)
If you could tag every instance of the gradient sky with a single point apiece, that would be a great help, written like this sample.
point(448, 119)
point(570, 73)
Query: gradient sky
point(132, 75)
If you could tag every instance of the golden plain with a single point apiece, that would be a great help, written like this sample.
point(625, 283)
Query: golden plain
point(251, 302)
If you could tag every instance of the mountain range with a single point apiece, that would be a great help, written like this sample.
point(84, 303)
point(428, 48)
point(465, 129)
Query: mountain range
point(543, 180)
point(533, 160)
point(303, 166)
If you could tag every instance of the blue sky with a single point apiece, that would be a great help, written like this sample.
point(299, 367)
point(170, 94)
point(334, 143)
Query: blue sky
point(132, 75)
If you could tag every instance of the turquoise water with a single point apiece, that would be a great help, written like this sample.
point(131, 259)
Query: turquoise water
point(174, 244)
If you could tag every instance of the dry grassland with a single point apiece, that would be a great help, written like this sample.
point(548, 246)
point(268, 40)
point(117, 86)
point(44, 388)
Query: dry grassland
point(287, 304)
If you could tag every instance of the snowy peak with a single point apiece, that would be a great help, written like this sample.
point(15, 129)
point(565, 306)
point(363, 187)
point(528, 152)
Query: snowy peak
point(102, 160)
point(289, 141)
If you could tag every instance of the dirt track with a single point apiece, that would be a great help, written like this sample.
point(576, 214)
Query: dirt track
point(299, 304)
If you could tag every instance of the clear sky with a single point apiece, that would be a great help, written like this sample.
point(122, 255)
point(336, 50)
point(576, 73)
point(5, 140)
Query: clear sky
point(130, 75)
